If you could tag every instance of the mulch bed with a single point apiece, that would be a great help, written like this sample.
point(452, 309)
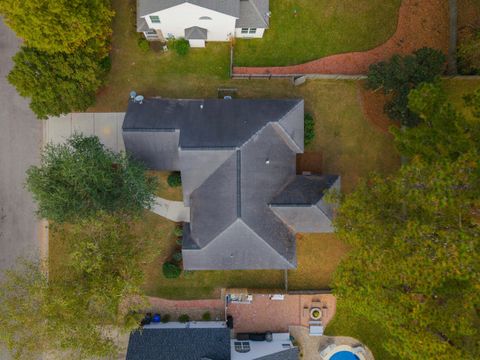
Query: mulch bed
point(422, 23)
point(372, 105)
point(309, 162)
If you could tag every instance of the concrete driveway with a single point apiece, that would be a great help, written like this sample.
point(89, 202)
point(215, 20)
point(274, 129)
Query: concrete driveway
point(20, 141)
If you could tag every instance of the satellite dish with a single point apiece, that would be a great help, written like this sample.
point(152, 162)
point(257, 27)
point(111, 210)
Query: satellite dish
point(139, 99)
point(133, 94)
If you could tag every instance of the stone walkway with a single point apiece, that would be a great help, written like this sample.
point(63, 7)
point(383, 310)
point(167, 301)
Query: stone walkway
point(421, 24)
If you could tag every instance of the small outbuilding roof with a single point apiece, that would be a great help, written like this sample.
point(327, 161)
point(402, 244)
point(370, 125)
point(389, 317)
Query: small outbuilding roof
point(195, 33)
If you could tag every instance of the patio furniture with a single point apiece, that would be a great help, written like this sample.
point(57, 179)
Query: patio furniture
point(316, 330)
point(305, 311)
point(316, 304)
point(277, 297)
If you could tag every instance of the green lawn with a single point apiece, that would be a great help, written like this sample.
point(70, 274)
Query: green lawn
point(304, 30)
point(372, 334)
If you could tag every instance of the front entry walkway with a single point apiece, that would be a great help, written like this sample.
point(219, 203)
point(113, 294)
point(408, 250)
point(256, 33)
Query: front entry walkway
point(172, 210)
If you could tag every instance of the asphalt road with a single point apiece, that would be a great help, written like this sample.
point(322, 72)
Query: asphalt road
point(20, 141)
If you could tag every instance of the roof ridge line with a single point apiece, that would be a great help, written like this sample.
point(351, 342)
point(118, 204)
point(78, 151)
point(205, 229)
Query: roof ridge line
point(263, 240)
point(258, 12)
point(285, 115)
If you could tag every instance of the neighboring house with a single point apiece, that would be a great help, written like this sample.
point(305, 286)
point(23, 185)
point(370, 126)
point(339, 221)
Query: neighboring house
point(202, 20)
point(237, 160)
point(204, 341)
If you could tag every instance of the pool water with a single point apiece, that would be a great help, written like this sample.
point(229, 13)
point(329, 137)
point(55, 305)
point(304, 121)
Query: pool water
point(344, 355)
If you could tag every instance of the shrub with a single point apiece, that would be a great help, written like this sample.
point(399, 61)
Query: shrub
point(178, 231)
point(184, 318)
point(401, 74)
point(174, 179)
point(181, 46)
point(206, 316)
point(165, 318)
point(177, 256)
point(179, 241)
point(171, 270)
point(309, 129)
point(469, 52)
point(143, 44)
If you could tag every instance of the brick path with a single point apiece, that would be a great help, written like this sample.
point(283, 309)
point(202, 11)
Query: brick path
point(421, 23)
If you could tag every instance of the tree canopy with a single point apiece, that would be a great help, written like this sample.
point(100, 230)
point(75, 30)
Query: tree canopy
point(93, 288)
point(57, 83)
point(401, 74)
point(77, 179)
point(414, 266)
point(61, 25)
point(443, 132)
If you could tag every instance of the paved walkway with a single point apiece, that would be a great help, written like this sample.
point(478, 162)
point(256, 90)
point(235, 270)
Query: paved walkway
point(172, 210)
point(421, 23)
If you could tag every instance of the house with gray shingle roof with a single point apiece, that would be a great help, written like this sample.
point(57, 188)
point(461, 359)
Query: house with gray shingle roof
point(237, 160)
point(204, 341)
point(202, 20)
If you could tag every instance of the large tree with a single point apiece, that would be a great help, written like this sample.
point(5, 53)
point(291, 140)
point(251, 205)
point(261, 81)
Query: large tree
point(443, 131)
point(400, 74)
point(60, 25)
point(414, 266)
point(91, 293)
point(57, 83)
point(81, 177)
point(415, 236)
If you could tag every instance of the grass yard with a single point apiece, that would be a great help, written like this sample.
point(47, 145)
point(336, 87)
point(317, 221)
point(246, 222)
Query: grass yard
point(164, 190)
point(318, 256)
point(304, 30)
point(372, 334)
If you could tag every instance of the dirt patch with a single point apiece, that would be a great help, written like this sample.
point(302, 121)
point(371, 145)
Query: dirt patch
point(373, 104)
point(310, 161)
point(421, 24)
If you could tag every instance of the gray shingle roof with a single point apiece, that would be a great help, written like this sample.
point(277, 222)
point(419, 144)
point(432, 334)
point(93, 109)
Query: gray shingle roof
point(301, 203)
point(290, 354)
point(253, 14)
point(195, 33)
point(142, 25)
point(179, 344)
point(229, 7)
point(235, 157)
point(304, 190)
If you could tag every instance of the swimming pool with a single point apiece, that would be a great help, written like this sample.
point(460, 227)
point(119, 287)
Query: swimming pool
point(344, 355)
